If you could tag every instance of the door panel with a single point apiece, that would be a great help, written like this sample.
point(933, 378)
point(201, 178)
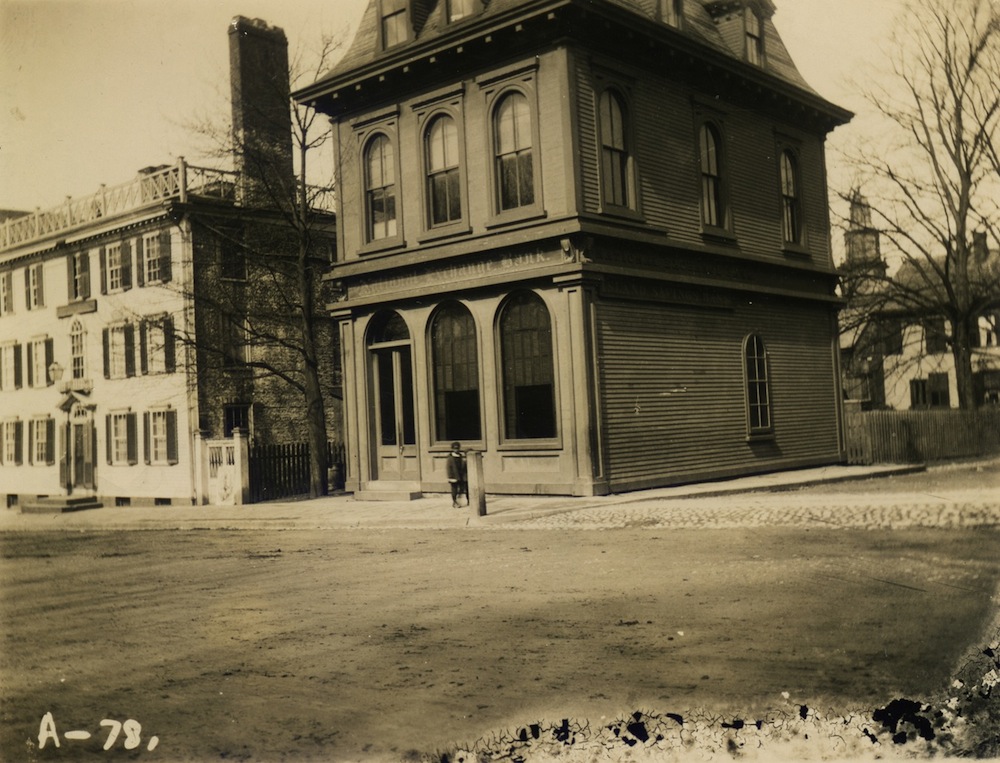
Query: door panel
point(395, 420)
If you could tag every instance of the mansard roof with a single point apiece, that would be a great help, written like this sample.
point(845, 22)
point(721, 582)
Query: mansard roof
point(701, 24)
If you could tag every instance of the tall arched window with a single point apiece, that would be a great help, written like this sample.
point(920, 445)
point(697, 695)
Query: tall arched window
point(444, 190)
point(514, 154)
point(713, 211)
point(758, 386)
point(77, 350)
point(614, 150)
point(528, 372)
point(456, 374)
point(380, 189)
point(791, 216)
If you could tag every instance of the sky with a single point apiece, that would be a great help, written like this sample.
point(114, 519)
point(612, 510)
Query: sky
point(93, 90)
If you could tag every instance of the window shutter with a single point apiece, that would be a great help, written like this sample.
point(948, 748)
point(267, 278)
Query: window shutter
point(63, 463)
point(169, 346)
point(171, 437)
point(144, 348)
point(85, 275)
point(131, 427)
point(90, 444)
point(129, 349)
point(71, 277)
point(108, 436)
point(165, 256)
point(145, 436)
point(106, 338)
point(31, 364)
point(126, 265)
point(103, 257)
point(18, 363)
point(18, 442)
point(27, 288)
point(31, 442)
point(140, 262)
point(41, 286)
point(50, 441)
point(49, 355)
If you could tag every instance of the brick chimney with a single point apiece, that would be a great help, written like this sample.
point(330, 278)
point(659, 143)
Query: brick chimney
point(262, 130)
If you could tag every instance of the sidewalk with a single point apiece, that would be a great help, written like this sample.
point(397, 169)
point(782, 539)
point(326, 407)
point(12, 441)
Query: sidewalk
point(435, 511)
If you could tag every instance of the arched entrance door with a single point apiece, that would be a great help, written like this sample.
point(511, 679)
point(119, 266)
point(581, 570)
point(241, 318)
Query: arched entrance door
point(394, 431)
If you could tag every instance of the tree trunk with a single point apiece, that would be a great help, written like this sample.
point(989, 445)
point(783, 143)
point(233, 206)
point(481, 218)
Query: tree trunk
point(961, 351)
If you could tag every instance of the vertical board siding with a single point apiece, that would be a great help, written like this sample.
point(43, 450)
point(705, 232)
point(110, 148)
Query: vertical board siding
point(673, 389)
point(901, 437)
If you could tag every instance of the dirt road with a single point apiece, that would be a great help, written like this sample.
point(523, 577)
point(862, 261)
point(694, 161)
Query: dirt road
point(372, 645)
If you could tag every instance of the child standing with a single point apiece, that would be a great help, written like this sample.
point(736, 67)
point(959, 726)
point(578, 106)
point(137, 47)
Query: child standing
point(457, 474)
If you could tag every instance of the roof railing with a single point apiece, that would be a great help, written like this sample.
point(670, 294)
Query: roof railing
point(150, 187)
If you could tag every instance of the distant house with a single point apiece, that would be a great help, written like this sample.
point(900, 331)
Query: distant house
point(123, 331)
point(588, 238)
point(895, 355)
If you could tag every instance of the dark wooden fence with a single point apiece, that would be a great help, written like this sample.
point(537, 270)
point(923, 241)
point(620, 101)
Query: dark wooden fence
point(904, 437)
point(282, 471)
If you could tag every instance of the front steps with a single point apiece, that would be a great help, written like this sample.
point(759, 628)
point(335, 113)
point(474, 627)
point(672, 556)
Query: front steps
point(389, 491)
point(59, 504)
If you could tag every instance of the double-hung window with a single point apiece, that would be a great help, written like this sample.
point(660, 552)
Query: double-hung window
point(394, 22)
point(444, 184)
point(615, 150)
point(791, 204)
point(6, 292)
point(713, 200)
point(119, 351)
point(78, 275)
point(40, 356)
point(380, 188)
point(122, 438)
point(34, 287)
point(153, 258)
point(78, 350)
point(160, 428)
point(13, 437)
point(514, 152)
point(157, 343)
point(41, 445)
point(754, 37)
point(10, 366)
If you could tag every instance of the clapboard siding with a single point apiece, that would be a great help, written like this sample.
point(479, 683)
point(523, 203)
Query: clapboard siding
point(673, 391)
point(586, 140)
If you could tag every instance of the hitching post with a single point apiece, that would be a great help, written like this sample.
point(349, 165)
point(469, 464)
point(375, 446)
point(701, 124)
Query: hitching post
point(477, 487)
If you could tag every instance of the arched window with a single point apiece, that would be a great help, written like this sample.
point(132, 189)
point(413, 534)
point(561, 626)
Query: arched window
point(456, 374)
point(77, 350)
point(713, 212)
point(758, 387)
point(444, 192)
point(614, 150)
point(528, 372)
point(514, 154)
point(380, 189)
point(791, 222)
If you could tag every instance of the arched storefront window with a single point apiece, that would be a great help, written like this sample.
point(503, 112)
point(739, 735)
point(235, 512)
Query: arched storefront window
point(455, 361)
point(529, 405)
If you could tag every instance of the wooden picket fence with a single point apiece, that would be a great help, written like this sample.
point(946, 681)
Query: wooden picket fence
point(282, 471)
point(905, 437)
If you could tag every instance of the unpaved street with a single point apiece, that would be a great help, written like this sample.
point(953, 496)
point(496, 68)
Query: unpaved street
point(366, 644)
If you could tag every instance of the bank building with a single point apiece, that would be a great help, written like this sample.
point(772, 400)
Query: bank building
point(587, 238)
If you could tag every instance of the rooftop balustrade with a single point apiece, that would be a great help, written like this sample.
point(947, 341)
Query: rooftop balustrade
point(150, 187)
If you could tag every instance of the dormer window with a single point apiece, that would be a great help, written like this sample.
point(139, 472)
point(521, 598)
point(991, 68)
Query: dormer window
point(672, 12)
point(460, 9)
point(754, 37)
point(394, 23)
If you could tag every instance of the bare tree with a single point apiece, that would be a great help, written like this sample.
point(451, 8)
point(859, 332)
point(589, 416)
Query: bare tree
point(258, 287)
point(931, 175)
